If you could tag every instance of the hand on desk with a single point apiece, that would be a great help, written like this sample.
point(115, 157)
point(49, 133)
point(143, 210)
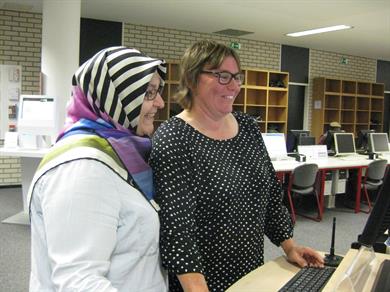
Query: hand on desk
point(302, 255)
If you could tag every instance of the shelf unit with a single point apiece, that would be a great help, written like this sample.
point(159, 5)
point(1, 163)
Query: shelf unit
point(171, 84)
point(263, 95)
point(356, 105)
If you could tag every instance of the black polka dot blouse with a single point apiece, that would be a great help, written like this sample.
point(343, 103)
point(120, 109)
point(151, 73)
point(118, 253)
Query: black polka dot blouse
point(218, 198)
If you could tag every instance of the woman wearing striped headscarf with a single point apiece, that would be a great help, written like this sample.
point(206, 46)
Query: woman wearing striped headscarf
point(94, 224)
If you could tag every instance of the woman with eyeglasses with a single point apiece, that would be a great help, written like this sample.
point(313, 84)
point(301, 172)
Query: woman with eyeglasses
point(94, 222)
point(215, 183)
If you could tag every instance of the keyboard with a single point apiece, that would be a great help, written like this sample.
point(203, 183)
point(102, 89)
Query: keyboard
point(283, 158)
point(384, 155)
point(309, 279)
point(353, 157)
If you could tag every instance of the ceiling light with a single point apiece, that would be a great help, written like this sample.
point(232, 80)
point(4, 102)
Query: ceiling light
point(319, 30)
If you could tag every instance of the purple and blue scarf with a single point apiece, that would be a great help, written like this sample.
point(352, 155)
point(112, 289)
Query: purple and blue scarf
point(108, 92)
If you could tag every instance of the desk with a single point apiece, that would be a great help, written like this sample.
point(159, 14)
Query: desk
point(29, 159)
point(334, 163)
point(329, 164)
point(274, 274)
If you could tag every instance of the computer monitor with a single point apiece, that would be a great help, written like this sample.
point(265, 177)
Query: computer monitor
point(293, 139)
point(275, 144)
point(344, 144)
point(329, 139)
point(362, 139)
point(378, 143)
point(36, 121)
point(374, 232)
point(306, 140)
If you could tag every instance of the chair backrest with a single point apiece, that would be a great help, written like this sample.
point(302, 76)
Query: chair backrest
point(376, 169)
point(304, 176)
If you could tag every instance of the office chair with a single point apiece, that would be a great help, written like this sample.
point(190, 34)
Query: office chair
point(373, 179)
point(303, 181)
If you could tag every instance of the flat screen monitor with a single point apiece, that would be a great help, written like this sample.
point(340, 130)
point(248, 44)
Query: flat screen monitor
point(329, 139)
point(275, 144)
point(306, 140)
point(36, 118)
point(374, 232)
point(362, 139)
point(378, 143)
point(293, 139)
point(344, 144)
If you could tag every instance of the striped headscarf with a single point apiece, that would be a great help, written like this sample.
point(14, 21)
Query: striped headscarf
point(107, 96)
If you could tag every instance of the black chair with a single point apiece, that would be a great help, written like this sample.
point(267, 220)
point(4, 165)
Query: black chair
point(373, 179)
point(303, 181)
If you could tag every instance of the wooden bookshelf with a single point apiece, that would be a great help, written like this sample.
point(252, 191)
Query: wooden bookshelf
point(356, 105)
point(263, 95)
point(171, 108)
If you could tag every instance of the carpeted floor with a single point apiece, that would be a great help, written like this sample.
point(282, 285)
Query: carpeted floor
point(14, 244)
point(15, 239)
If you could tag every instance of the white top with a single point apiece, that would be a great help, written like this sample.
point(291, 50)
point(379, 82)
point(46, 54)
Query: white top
point(91, 231)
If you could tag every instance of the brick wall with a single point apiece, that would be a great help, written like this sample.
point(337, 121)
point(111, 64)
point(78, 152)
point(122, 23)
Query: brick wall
point(327, 64)
point(170, 45)
point(10, 173)
point(20, 44)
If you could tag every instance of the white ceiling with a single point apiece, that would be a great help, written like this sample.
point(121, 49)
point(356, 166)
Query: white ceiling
point(269, 20)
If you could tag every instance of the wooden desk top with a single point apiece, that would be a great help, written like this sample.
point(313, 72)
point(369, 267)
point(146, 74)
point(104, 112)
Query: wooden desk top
point(274, 274)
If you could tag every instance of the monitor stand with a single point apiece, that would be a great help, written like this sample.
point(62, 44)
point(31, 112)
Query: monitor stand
point(28, 141)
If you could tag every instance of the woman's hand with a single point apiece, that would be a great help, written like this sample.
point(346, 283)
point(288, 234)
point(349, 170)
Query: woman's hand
point(302, 255)
point(305, 256)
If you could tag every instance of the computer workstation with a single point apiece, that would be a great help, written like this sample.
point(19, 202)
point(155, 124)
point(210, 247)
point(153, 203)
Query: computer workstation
point(344, 145)
point(369, 143)
point(328, 140)
point(36, 121)
point(362, 269)
point(341, 144)
point(36, 132)
point(379, 144)
point(298, 137)
point(362, 140)
point(349, 159)
point(344, 159)
point(276, 146)
point(279, 145)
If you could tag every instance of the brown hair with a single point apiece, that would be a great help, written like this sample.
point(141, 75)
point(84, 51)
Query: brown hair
point(195, 58)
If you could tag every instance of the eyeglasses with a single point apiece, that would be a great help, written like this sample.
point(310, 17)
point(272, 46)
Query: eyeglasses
point(151, 93)
point(225, 77)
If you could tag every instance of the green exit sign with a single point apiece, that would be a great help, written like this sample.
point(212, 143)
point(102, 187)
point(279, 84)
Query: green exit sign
point(344, 60)
point(235, 45)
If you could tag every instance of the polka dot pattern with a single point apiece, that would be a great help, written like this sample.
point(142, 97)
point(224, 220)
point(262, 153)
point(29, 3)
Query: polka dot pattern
point(218, 199)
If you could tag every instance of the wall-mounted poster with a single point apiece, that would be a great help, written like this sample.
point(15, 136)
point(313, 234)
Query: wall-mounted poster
point(10, 90)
